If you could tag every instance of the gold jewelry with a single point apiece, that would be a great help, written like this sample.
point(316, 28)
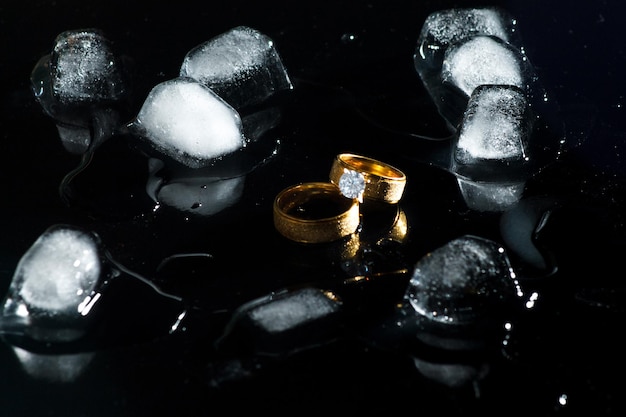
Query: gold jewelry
point(368, 178)
point(315, 212)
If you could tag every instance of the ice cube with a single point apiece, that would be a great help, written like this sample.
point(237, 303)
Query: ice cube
point(84, 67)
point(468, 283)
point(483, 60)
point(188, 122)
point(241, 65)
point(445, 27)
point(461, 296)
point(494, 136)
point(58, 272)
point(54, 286)
point(490, 196)
point(284, 322)
point(83, 85)
point(288, 312)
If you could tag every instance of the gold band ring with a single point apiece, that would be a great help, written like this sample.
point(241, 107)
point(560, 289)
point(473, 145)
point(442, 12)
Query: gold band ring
point(377, 180)
point(315, 212)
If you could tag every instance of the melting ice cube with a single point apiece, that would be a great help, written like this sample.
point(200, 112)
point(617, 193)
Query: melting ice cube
point(241, 65)
point(298, 308)
point(188, 122)
point(445, 27)
point(462, 282)
point(460, 295)
point(440, 31)
point(491, 156)
point(495, 196)
point(81, 84)
point(59, 270)
point(54, 367)
point(55, 282)
point(494, 136)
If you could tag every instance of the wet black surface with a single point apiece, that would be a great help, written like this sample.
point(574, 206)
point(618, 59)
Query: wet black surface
point(355, 90)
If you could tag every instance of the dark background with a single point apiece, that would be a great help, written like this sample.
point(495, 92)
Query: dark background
point(355, 90)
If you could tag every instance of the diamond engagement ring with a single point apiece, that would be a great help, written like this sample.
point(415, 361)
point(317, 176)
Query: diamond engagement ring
point(315, 212)
point(361, 177)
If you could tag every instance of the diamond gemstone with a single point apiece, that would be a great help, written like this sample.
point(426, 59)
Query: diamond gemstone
point(352, 184)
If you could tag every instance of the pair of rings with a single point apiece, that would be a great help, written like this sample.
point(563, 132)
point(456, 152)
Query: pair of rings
point(317, 212)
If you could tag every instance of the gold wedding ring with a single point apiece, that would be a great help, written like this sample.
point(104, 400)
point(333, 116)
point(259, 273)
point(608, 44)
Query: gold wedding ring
point(382, 182)
point(315, 212)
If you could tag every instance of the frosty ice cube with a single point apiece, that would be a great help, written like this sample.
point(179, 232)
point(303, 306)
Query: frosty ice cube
point(241, 65)
point(54, 286)
point(283, 322)
point(82, 85)
point(493, 144)
point(460, 290)
point(186, 121)
point(84, 68)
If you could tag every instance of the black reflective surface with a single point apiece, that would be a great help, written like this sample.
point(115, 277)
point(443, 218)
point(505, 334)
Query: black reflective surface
point(355, 90)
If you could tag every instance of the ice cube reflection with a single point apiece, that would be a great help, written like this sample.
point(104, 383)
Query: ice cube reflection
point(283, 323)
point(483, 60)
point(53, 367)
point(200, 195)
point(445, 28)
point(492, 156)
point(497, 125)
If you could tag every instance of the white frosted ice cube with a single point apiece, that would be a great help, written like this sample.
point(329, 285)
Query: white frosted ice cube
point(494, 126)
point(189, 122)
point(58, 271)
